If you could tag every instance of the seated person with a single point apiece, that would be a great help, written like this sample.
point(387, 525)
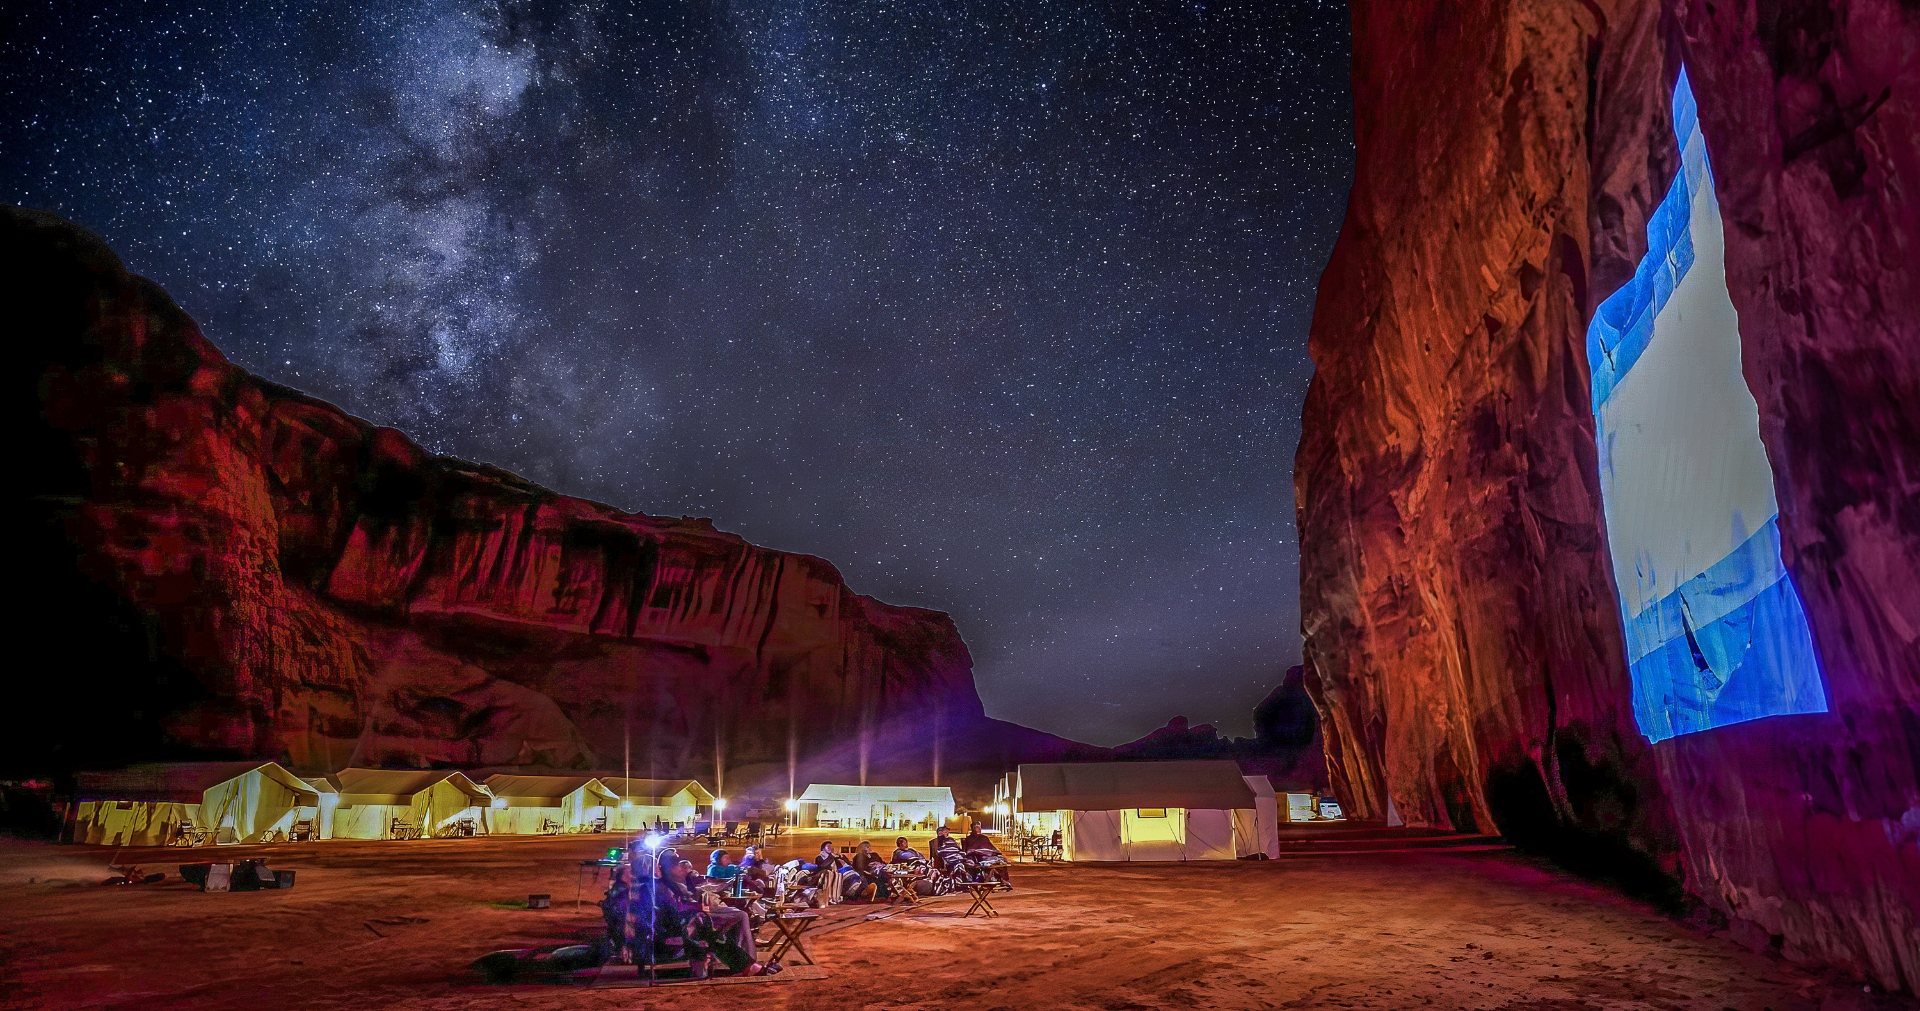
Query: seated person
point(724, 932)
point(872, 873)
point(756, 874)
point(903, 853)
point(947, 854)
point(983, 854)
point(721, 868)
point(624, 895)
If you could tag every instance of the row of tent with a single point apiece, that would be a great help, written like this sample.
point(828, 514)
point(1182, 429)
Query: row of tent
point(230, 802)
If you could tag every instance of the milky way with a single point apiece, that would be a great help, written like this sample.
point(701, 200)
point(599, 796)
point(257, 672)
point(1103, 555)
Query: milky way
point(1000, 308)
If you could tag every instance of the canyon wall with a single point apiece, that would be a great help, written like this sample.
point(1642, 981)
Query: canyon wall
point(1463, 641)
point(223, 566)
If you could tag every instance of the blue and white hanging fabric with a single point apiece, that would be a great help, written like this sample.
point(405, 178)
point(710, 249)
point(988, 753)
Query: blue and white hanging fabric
point(1715, 633)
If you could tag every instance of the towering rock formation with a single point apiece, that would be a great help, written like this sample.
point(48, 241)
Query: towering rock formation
point(224, 565)
point(1462, 636)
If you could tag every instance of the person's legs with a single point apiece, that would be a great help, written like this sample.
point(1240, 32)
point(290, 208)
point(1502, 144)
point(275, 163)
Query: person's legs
point(732, 938)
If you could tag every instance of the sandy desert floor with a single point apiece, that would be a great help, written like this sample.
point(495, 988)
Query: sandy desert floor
point(386, 924)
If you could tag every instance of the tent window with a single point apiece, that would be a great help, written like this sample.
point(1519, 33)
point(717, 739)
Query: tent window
point(1151, 812)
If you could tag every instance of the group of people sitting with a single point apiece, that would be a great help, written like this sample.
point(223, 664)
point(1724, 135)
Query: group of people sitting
point(949, 863)
point(659, 907)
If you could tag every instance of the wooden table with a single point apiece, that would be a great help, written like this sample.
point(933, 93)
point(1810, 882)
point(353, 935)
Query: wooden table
point(788, 928)
point(980, 890)
point(900, 886)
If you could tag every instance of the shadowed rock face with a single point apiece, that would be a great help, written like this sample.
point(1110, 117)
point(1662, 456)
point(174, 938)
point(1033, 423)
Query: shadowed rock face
point(1462, 639)
point(309, 587)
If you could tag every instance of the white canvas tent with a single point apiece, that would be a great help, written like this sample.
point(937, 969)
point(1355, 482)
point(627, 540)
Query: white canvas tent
point(373, 803)
point(1258, 830)
point(1196, 810)
point(544, 805)
point(150, 805)
point(641, 803)
point(894, 808)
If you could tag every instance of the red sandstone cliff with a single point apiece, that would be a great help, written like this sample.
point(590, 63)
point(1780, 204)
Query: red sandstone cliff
point(1457, 600)
point(322, 591)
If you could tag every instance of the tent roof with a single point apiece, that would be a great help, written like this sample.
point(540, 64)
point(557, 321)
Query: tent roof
point(175, 782)
point(655, 792)
point(1116, 786)
point(554, 788)
point(400, 782)
point(836, 793)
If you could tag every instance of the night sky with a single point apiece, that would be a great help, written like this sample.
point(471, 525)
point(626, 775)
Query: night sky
point(1001, 308)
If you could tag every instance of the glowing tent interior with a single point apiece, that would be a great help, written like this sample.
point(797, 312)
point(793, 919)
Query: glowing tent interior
point(1138, 811)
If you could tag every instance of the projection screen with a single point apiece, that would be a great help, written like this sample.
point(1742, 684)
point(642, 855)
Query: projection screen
point(1715, 633)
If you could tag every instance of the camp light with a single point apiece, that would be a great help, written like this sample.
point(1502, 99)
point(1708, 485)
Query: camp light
point(792, 805)
point(652, 841)
point(719, 804)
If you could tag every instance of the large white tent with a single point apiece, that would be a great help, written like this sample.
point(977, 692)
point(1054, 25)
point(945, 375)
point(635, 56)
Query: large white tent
point(894, 808)
point(640, 804)
point(547, 805)
point(1194, 810)
point(387, 803)
point(162, 803)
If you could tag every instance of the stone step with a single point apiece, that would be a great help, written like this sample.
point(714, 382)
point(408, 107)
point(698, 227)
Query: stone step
point(1387, 842)
point(1434, 850)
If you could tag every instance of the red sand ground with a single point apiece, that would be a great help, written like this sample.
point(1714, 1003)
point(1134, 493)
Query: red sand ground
point(1384, 931)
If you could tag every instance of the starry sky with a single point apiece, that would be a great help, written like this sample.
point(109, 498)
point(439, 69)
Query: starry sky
point(1001, 308)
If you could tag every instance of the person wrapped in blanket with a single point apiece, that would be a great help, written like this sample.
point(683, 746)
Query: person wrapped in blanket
point(645, 906)
point(945, 853)
point(816, 883)
point(866, 877)
point(986, 857)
